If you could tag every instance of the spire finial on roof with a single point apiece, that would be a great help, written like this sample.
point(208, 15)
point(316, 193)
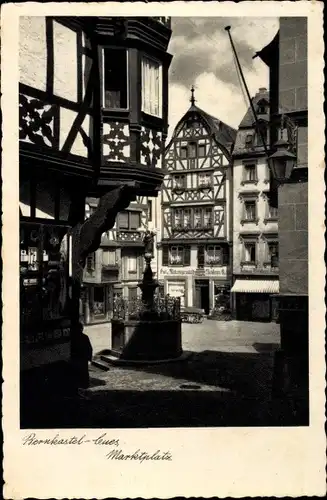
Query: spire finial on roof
point(192, 95)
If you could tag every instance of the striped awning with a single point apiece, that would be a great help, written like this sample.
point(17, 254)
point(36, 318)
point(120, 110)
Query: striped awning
point(256, 286)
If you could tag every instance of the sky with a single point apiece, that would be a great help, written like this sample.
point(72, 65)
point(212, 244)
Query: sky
point(202, 56)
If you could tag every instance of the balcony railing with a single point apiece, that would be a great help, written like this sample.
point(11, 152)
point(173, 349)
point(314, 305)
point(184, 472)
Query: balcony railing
point(129, 235)
point(165, 308)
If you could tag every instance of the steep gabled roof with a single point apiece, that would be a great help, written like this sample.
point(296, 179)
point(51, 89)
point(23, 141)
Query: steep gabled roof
point(247, 126)
point(248, 119)
point(224, 134)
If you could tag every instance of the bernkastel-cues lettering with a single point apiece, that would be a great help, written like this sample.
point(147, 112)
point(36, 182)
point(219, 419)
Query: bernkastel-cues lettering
point(114, 454)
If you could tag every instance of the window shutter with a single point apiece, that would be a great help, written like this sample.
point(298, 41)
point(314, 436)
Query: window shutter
point(135, 221)
point(123, 220)
point(225, 256)
point(187, 256)
point(201, 256)
point(165, 255)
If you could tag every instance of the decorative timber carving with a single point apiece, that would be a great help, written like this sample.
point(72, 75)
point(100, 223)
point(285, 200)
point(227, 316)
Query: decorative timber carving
point(151, 147)
point(37, 121)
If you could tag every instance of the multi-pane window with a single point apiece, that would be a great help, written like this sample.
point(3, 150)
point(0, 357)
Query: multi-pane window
point(272, 212)
point(179, 181)
point(250, 172)
point(202, 150)
point(204, 179)
point(178, 217)
point(213, 255)
point(176, 255)
point(129, 220)
point(192, 150)
point(250, 210)
point(272, 253)
point(179, 255)
point(187, 217)
point(151, 87)
point(249, 140)
point(192, 217)
point(262, 107)
point(250, 253)
point(207, 217)
point(108, 257)
point(197, 217)
point(183, 151)
point(115, 76)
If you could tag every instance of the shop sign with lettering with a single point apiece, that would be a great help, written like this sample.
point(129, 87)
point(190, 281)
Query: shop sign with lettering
point(169, 271)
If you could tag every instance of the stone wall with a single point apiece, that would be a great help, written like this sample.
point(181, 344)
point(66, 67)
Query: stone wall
point(293, 238)
point(293, 80)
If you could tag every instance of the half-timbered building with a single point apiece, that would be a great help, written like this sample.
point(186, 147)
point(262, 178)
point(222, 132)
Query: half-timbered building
point(93, 102)
point(196, 200)
point(255, 220)
point(116, 268)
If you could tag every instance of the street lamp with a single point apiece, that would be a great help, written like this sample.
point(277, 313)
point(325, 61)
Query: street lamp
point(282, 162)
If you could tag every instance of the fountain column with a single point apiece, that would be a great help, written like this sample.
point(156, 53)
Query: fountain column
point(148, 285)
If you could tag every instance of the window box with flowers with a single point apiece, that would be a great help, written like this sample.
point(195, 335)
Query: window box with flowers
point(213, 255)
point(176, 255)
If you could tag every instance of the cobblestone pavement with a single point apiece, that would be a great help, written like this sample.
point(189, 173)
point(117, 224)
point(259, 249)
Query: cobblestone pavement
point(227, 336)
point(225, 381)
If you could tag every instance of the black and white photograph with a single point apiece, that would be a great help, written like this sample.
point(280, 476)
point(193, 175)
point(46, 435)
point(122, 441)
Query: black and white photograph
point(163, 255)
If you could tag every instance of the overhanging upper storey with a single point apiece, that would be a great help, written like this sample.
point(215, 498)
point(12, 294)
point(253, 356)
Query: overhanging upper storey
point(97, 105)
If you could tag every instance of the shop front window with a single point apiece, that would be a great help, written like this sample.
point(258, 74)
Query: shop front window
point(44, 271)
point(98, 301)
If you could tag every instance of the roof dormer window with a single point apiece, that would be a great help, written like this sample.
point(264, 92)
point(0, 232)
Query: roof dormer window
point(262, 107)
point(249, 140)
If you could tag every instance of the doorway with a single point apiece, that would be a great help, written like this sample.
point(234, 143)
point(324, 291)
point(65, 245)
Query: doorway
point(202, 295)
point(99, 303)
point(253, 307)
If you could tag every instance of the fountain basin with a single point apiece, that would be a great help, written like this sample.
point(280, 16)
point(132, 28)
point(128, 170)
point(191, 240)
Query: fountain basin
point(142, 340)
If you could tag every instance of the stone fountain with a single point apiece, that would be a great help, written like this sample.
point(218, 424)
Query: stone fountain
point(146, 329)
